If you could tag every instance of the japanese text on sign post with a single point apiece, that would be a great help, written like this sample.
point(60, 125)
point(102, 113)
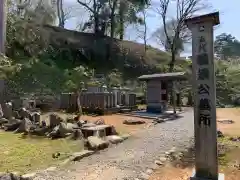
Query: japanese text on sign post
point(204, 102)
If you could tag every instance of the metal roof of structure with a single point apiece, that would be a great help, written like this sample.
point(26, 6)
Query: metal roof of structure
point(164, 76)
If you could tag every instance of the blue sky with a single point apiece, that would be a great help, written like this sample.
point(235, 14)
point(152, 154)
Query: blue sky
point(229, 14)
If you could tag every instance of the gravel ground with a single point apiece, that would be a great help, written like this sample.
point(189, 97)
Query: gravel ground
point(129, 159)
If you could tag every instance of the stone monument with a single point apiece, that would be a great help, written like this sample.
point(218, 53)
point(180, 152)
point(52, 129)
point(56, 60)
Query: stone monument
point(204, 90)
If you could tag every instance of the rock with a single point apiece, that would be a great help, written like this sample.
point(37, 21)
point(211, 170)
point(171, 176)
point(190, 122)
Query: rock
point(159, 120)
point(133, 121)
point(29, 176)
point(114, 131)
point(235, 139)
point(155, 166)
point(144, 176)
point(159, 163)
point(35, 117)
point(149, 171)
point(12, 125)
point(125, 136)
point(25, 126)
point(99, 122)
point(226, 121)
point(114, 139)
point(54, 133)
point(77, 134)
point(163, 159)
point(54, 120)
point(16, 115)
point(64, 129)
point(9, 176)
point(53, 168)
point(24, 113)
point(3, 121)
point(70, 120)
point(79, 155)
point(40, 131)
point(80, 123)
point(7, 110)
point(96, 143)
point(88, 125)
point(219, 134)
point(1, 111)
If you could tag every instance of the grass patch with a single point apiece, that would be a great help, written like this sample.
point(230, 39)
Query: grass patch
point(27, 154)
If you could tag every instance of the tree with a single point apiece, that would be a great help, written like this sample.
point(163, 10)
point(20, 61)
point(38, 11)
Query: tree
point(161, 37)
point(184, 9)
point(226, 46)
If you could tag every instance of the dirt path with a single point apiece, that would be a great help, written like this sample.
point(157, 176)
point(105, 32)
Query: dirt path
point(129, 159)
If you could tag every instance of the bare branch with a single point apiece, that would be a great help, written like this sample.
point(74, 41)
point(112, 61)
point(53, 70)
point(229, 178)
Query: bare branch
point(86, 6)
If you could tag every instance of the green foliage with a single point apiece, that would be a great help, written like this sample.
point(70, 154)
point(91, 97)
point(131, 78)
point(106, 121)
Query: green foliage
point(227, 46)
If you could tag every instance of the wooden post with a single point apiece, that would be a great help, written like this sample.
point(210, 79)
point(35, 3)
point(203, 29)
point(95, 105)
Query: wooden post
point(2, 26)
point(204, 90)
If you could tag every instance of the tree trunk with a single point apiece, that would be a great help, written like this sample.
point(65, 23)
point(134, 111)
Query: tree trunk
point(79, 103)
point(173, 93)
point(121, 19)
point(60, 13)
point(145, 30)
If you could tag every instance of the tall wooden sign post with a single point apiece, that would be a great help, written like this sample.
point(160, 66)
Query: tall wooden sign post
point(2, 25)
point(204, 89)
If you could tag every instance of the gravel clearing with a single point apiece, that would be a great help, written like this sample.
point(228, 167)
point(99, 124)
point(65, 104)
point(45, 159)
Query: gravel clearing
point(128, 160)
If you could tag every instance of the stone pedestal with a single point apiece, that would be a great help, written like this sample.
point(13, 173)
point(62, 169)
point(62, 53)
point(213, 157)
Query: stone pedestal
point(193, 177)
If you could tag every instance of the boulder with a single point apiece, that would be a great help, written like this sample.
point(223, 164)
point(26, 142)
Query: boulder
point(62, 130)
point(114, 131)
point(12, 125)
point(96, 143)
point(70, 120)
point(88, 125)
point(77, 135)
point(7, 110)
point(9, 176)
point(80, 123)
point(24, 113)
point(40, 131)
point(25, 126)
point(35, 117)
point(54, 133)
point(114, 139)
point(1, 111)
point(54, 120)
point(65, 129)
point(99, 122)
point(79, 155)
point(133, 121)
point(3, 121)
point(16, 115)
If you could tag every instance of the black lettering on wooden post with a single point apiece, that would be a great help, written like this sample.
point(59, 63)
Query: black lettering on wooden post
point(204, 104)
point(203, 89)
point(202, 59)
point(202, 45)
point(203, 74)
point(204, 118)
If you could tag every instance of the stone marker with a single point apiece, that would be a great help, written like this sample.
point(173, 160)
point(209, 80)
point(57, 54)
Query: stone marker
point(204, 89)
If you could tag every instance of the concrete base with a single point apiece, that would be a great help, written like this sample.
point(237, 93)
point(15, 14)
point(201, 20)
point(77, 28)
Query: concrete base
point(220, 177)
point(154, 109)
